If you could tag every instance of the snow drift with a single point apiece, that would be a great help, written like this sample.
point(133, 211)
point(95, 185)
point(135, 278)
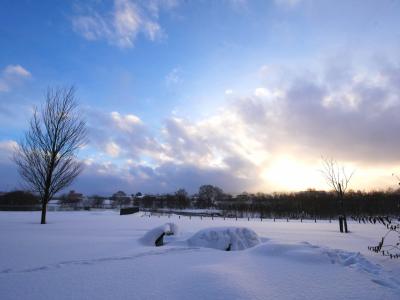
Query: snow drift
point(225, 238)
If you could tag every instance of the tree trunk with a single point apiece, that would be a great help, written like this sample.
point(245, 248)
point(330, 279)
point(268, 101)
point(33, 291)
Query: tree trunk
point(44, 208)
point(342, 218)
point(345, 224)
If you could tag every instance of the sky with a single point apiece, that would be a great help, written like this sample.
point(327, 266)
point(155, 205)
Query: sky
point(246, 95)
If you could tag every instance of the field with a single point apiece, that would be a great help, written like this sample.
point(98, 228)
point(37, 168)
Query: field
point(101, 255)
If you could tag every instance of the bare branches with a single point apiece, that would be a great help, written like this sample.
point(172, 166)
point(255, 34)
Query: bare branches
point(338, 179)
point(46, 157)
point(336, 176)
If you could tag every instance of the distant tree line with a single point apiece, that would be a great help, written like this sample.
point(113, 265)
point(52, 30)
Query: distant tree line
point(304, 204)
point(312, 204)
point(19, 200)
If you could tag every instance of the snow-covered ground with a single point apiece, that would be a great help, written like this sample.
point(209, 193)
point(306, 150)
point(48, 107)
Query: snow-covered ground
point(101, 255)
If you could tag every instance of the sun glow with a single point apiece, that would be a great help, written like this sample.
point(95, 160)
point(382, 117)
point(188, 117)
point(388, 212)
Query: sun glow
point(286, 173)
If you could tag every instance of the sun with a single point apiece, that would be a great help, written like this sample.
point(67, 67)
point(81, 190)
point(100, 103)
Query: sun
point(287, 173)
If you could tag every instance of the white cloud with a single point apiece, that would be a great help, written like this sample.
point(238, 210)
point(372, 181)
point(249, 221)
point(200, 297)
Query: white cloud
point(7, 146)
point(126, 122)
point(261, 92)
point(11, 76)
point(16, 70)
point(112, 149)
point(126, 21)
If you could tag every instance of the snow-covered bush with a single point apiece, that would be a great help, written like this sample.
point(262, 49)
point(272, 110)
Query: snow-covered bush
point(154, 234)
point(225, 238)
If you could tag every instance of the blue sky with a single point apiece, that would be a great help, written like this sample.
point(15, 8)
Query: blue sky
point(244, 94)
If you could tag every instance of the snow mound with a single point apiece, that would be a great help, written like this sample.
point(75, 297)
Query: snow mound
point(225, 238)
point(306, 253)
point(152, 235)
point(303, 253)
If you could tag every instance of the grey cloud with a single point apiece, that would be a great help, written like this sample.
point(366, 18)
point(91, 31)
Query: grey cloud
point(182, 144)
point(166, 178)
point(365, 133)
point(172, 176)
point(8, 173)
point(96, 179)
point(133, 139)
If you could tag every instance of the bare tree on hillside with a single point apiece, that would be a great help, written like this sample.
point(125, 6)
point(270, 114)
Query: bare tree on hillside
point(338, 179)
point(46, 156)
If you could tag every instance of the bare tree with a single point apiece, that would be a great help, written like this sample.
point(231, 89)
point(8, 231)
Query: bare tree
point(338, 179)
point(46, 156)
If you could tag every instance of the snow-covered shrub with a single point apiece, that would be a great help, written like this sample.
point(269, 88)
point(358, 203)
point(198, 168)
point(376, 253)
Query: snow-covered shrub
point(152, 235)
point(225, 238)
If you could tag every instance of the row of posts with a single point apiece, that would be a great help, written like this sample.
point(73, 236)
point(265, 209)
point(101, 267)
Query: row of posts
point(236, 218)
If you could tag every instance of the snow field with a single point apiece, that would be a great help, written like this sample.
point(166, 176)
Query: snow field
point(101, 255)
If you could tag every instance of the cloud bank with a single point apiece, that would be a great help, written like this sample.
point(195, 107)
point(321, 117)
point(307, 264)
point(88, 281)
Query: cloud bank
point(269, 139)
point(269, 134)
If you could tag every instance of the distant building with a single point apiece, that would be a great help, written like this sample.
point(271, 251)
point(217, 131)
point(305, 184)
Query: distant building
point(107, 203)
point(53, 205)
